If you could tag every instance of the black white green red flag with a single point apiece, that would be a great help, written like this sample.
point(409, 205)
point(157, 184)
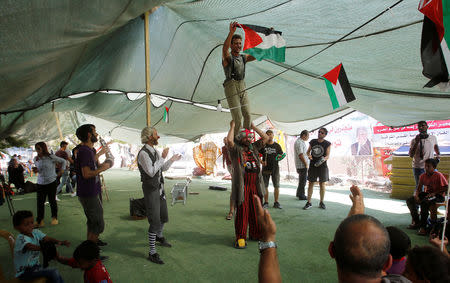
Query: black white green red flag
point(166, 114)
point(434, 49)
point(338, 87)
point(264, 43)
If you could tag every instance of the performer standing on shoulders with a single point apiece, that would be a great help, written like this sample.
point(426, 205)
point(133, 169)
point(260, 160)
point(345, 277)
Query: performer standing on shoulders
point(151, 165)
point(246, 181)
point(234, 84)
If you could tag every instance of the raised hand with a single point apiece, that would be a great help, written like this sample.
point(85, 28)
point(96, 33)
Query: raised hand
point(435, 241)
point(176, 157)
point(268, 227)
point(358, 201)
point(165, 152)
point(233, 26)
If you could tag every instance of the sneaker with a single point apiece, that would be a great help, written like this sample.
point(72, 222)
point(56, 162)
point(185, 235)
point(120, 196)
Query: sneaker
point(57, 199)
point(277, 205)
point(54, 221)
point(302, 198)
point(155, 258)
point(308, 205)
point(74, 194)
point(100, 243)
point(46, 203)
point(266, 205)
point(322, 205)
point(163, 242)
point(240, 244)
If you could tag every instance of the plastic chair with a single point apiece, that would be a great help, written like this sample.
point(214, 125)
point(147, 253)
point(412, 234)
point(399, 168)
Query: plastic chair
point(180, 191)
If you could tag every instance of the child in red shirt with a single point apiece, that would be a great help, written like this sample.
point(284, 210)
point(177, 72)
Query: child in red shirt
point(86, 257)
point(436, 186)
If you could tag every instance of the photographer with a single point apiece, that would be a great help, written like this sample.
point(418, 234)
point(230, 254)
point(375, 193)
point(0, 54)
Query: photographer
point(88, 181)
point(436, 186)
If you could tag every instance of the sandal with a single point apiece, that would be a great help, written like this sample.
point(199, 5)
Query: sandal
point(422, 232)
point(229, 216)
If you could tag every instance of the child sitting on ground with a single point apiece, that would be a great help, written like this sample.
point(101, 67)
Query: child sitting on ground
point(27, 249)
point(87, 257)
point(400, 245)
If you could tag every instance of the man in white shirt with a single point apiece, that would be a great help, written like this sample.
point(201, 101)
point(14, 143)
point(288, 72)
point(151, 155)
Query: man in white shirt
point(421, 149)
point(151, 165)
point(301, 163)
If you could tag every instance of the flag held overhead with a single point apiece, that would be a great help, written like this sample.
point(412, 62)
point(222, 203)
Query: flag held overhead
point(264, 43)
point(338, 87)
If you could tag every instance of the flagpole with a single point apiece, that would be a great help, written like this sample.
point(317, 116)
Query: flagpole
point(445, 219)
point(147, 69)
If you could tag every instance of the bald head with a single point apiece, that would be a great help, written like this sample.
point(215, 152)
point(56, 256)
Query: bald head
point(361, 246)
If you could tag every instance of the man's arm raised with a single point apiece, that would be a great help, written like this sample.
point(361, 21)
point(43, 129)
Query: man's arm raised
point(358, 201)
point(227, 44)
point(262, 134)
point(230, 136)
point(269, 268)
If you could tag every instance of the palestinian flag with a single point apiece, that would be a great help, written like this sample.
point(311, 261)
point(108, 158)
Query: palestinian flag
point(166, 114)
point(338, 87)
point(435, 40)
point(264, 43)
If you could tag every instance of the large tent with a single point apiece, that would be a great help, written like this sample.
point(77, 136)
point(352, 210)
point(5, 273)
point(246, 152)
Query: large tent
point(84, 60)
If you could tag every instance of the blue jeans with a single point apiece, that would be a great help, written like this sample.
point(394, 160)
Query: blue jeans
point(65, 180)
point(51, 274)
point(417, 172)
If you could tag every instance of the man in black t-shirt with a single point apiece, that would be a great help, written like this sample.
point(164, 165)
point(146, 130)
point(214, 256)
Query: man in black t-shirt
point(271, 154)
point(318, 152)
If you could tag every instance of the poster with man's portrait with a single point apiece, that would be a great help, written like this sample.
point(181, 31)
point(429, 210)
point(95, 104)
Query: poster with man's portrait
point(362, 146)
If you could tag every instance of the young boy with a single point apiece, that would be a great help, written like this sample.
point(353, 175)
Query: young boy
point(27, 249)
point(400, 245)
point(86, 257)
point(436, 187)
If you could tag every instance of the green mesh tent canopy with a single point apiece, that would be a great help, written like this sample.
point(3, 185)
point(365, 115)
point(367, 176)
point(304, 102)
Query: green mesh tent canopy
point(84, 60)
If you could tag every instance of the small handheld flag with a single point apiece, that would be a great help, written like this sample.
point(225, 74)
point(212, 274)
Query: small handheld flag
point(264, 43)
point(166, 114)
point(434, 50)
point(338, 87)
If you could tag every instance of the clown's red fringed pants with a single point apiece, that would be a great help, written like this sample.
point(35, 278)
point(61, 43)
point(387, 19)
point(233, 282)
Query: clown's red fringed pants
point(246, 212)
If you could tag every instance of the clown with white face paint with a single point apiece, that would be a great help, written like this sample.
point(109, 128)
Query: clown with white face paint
point(246, 180)
point(151, 165)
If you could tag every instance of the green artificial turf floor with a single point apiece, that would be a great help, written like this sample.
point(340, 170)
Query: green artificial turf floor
point(201, 237)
